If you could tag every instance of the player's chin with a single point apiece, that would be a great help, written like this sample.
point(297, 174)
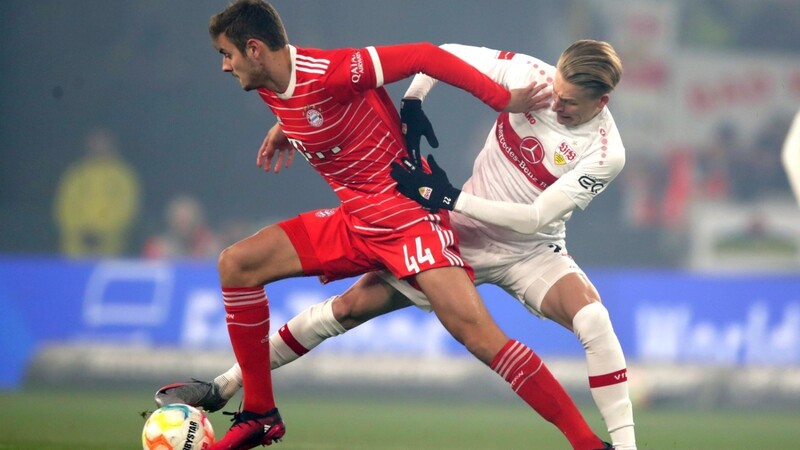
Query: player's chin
point(246, 85)
point(565, 120)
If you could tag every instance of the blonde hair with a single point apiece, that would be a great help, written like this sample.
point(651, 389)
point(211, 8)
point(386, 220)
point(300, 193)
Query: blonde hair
point(591, 65)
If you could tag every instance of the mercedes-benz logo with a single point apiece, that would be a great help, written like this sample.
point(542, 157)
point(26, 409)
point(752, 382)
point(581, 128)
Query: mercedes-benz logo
point(531, 150)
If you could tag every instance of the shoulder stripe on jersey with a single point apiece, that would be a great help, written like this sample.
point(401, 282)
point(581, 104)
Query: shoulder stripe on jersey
point(376, 63)
point(313, 60)
point(311, 65)
point(505, 55)
point(306, 70)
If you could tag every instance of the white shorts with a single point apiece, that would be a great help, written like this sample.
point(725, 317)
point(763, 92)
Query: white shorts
point(526, 272)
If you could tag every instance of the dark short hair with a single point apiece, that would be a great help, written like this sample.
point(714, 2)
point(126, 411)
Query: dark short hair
point(249, 19)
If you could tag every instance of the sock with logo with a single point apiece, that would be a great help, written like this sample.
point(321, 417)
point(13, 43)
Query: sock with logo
point(293, 340)
point(532, 380)
point(248, 326)
point(608, 375)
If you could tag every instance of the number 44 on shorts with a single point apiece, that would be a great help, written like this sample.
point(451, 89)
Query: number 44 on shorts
point(423, 255)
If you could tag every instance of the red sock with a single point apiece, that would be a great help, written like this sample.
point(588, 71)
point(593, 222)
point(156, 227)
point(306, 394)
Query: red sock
point(248, 326)
point(532, 380)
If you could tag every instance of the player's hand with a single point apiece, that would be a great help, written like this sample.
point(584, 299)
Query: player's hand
point(431, 190)
point(530, 98)
point(415, 125)
point(275, 141)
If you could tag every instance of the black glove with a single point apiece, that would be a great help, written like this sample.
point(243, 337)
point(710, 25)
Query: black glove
point(431, 190)
point(415, 125)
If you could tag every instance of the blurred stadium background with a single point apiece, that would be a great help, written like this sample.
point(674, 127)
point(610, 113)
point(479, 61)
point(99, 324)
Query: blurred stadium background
point(108, 289)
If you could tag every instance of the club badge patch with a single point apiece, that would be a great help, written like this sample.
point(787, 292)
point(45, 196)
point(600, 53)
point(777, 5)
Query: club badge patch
point(314, 117)
point(425, 192)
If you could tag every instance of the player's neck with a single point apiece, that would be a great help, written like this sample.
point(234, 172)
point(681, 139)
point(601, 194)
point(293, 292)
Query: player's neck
point(279, 65)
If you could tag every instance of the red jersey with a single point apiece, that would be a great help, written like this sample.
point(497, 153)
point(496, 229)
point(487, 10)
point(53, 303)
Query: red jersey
point(337, 114)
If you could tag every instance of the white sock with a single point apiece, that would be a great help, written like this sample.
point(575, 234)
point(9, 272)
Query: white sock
point(608, 376)
point(303, 332)
point(229, 382)
point(294, 339)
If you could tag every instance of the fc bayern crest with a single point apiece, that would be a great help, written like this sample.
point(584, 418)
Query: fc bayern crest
point(314, 117)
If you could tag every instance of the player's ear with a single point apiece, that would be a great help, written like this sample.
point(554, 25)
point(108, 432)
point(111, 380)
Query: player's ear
point(603, 101)
point(253, 47)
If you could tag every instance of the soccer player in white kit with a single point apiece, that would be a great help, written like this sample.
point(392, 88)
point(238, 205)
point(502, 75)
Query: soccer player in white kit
point(534, 170)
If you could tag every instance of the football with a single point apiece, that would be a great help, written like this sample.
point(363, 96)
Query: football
point(177, 427)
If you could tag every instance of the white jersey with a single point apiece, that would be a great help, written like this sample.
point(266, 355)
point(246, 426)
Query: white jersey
point(527, 153)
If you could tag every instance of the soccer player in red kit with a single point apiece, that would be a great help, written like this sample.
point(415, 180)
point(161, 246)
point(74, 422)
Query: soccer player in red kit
point(331, 107)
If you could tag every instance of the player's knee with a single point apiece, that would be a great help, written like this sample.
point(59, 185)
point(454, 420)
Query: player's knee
point(344, 312)
point(231, 268)
point(592, 321)
point(226, 262)
point(482, 343)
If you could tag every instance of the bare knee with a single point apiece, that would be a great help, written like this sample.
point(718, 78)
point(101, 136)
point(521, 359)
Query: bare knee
point(483, 341)
point(345, 313)
point(233, 270)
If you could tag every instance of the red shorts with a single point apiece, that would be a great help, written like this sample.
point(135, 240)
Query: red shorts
point(328, 246)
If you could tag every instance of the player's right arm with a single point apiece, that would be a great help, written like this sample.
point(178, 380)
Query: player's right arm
point(434, 191)
point(575, 189)
point(551, 204)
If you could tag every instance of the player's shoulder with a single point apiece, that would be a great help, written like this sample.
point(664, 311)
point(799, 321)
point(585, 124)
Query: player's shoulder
point(608, 131)
point(323, 55)
point(604, 148)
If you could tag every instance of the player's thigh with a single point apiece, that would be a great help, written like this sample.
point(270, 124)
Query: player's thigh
point(461, 310)
point(567, 296)
point(266, 256)
point(530, 275)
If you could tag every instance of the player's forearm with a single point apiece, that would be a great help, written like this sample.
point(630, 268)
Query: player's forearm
point(401, 61)
point(477, 57)
point(522, 218)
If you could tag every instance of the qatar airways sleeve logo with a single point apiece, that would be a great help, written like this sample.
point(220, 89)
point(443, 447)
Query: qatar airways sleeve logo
point(356, 67)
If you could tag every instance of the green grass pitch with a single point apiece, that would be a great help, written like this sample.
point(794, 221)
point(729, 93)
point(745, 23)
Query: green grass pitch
point(56, 419)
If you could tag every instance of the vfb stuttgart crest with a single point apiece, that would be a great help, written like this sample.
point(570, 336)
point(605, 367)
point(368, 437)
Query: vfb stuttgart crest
point(314, 117)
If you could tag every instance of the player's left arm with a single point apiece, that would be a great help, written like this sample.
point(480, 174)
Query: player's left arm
point(396, 62)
